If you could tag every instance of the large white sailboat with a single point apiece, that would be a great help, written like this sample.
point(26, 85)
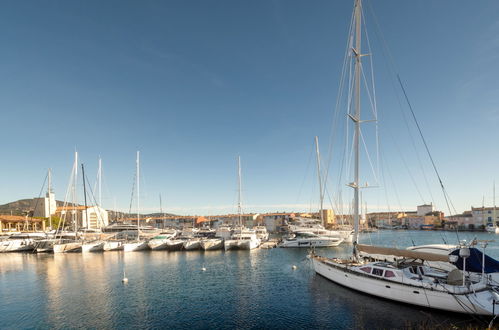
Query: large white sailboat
point(408, 280)
point(138, 244)
point(242, 237)
point(68, 245)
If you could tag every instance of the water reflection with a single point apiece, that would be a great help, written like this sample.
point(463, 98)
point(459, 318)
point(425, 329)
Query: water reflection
point(239, 289)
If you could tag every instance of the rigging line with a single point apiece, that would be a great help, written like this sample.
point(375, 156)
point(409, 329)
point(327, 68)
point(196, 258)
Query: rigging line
point(368, 157)
point(39, 194)
point(391, 65)
point(133, 190)
point(339, 97)
point(92, 195)
point(306, 174)
point(406, 166)
point(447, 200)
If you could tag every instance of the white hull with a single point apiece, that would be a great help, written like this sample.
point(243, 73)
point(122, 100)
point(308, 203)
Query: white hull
point(113, 245)
point(212, 244)
point(16, 245)
point(158, 244)
point(193, 244)
point(492, 229)
point(241, 244)
point(480, 302)
point(175, 244)
point(135, 246)
point(230, 244)
point(310, 242)
point(93, 247)
point(67, 247)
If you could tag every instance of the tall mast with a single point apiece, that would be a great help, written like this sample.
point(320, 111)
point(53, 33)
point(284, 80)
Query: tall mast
point(161, 211)
point(356, 117)
point(75, 200)
point(321, 198)
point(49, 191)
point(138, 193)
point(100, 181)
point(85, 196)
point(239, 203)
point(494, 197)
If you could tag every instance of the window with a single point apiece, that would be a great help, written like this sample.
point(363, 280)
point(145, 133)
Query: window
point(366, 269)
point(489, 219)
point(377, 272)
point(389, 273)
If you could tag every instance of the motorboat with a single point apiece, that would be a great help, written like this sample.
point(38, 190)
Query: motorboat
point(307, 240)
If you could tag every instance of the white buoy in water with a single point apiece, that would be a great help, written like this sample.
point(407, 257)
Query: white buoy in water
point(294, 267)
point(203, 269)
point(125, 279)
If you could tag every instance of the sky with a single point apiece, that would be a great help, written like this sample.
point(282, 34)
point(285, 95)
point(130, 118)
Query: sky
point(194, 84)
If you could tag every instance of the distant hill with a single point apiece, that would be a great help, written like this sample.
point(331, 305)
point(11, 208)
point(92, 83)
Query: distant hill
point(22, 206)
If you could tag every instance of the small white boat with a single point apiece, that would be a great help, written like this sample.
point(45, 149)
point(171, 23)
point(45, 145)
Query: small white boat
point(113, 245)
point(209, 244)
point(306, 240)
point(192, 244)
point(261, 233)
point(17, 245)
point(95, 246)
point(135, 246)
point(45, 245)
point(243, 239)
point(74, 246)
point(175, 244)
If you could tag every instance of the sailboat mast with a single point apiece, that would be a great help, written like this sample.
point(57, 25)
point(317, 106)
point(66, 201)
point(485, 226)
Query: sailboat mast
point(49, 188)
point(85, 196)
point(100, 182)
point(75, 200)
point(239, 205)
point(321, 199)
point(138, 194)
point(356, 117)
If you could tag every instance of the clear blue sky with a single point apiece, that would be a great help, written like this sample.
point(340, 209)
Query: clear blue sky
point(193, 84)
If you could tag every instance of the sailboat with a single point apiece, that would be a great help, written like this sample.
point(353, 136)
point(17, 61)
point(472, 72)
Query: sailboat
point(138, 244)
point(242, 237)
point(93, 245)
point(407, 280)
point(312, 232)
point(70, 245)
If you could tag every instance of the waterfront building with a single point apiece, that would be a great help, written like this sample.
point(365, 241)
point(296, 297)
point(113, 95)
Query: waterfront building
point(275, 221)
point(9, 223)
point(485, 215)
point(424, 209)
point(97, 216)
point(464, 221)
point(45, 206)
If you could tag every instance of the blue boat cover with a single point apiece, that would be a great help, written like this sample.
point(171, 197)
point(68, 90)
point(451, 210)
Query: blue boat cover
point(474, 262)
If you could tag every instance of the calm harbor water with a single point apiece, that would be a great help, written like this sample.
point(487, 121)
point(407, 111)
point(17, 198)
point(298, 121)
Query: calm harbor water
point(239, 289)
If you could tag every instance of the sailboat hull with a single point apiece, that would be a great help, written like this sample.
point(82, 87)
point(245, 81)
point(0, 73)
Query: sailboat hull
point(135, 246)
point(212, 244)
point(67, 247)
point(113, 246)
point(311, 242)
point(93, 247)
point(480, 302)
point(191, 245)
